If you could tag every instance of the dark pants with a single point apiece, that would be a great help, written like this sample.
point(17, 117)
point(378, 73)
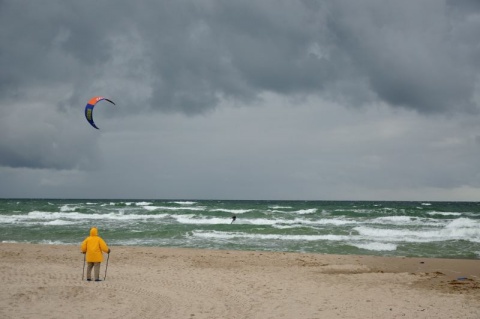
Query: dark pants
point(96, 270)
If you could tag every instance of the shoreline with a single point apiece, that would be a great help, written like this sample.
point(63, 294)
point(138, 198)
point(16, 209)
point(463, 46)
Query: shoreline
point(44, 281)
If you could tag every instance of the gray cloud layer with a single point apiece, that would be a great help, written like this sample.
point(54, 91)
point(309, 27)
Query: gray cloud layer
point(422, 55)
point(184, 57)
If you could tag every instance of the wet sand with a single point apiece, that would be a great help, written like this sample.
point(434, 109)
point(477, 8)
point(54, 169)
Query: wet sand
point(45, 281)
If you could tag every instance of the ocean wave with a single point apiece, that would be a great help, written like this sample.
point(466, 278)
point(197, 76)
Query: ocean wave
point(305, 211)
point(232, 211)
point(193, 219)
point(53, 242)
point(442, 230)
point(326, 221)
point(48, 216)
point(184, 203)
point(68, 208)
point(375, 246)
point(465, 229)
point(234, 235)
point(463, 223)
point(406, 220)
point(152, 208)
point(444, 214)
point(143, 203)
point(58, 222)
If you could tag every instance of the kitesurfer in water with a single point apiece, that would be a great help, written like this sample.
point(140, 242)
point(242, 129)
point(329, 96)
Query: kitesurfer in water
point(93, 246)
point(233, 219)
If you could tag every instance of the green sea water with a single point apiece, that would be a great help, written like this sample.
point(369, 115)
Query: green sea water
point(414, 229)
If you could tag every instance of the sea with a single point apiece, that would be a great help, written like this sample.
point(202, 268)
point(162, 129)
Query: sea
point(382, 228)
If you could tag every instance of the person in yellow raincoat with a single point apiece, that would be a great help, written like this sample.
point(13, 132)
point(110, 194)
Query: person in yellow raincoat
point(93, 246)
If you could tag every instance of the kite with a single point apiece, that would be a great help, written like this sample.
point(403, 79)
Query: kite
point(89, 108)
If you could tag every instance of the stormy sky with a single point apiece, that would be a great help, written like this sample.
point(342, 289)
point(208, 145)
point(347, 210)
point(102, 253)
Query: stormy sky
point(261, 99)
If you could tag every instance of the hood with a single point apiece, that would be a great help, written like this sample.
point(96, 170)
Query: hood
point(93, 231)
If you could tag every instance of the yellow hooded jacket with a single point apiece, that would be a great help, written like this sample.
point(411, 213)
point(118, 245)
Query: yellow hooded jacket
point(93, 246)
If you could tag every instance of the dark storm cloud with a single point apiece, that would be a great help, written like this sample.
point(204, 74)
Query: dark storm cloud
point(419, 55)
point(416, 54)
point(37, 136)
point(422, 55)
point(184, 56)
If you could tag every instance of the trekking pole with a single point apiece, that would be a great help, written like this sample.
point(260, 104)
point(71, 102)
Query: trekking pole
point(106, 267)
point(83, 272)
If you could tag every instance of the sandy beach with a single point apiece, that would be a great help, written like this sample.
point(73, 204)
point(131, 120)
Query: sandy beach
point(45, 281)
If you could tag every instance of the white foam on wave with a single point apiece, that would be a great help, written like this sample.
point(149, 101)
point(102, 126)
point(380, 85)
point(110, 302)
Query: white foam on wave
point(279, 207)
point(37, 215)
point(139, 242)
point(276, 211)
point(46, 242)
point(26, 219)
point(463, 223)
point(58, 222)
point(11, 219)
point(356, 210)
point(232, 211)
point(143, 203)
point(184, 203)
point(393, 219)
point(233, 235)
point(67, 208)
point(204, 220)
point(398, 235)
point(305, 211)
point(257, 221)
point(289, 226)
point(444, 214)
point(375, 246)
point(464, 228)
point(152, 208)
point(406, 220)
point(325, 221)
point(459, 229)
point(276, 223)
point(192, 219)
point(52, 242)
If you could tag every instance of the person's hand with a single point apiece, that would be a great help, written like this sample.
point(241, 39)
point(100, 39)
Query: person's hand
point(109, 250)
point(84, 252)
